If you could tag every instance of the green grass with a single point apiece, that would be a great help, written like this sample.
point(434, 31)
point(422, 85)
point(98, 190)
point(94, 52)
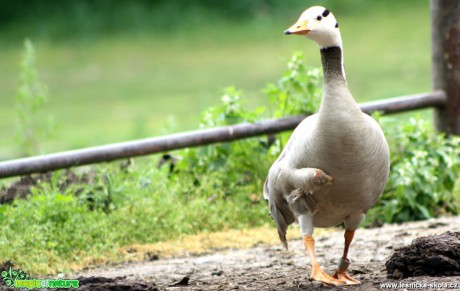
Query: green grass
point(116, 88)
point(55, 231)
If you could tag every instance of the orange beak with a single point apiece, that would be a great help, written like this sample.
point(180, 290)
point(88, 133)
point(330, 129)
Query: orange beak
point(300, 27)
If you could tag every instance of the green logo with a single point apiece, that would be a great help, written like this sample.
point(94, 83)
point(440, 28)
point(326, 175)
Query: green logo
point(20, 279)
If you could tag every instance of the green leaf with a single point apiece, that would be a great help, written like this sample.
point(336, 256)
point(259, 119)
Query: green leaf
point(424, 211)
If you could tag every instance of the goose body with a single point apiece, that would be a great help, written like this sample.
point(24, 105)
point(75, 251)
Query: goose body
point(336, 163)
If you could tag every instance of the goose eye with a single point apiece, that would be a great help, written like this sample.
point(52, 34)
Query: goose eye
point(318, 17)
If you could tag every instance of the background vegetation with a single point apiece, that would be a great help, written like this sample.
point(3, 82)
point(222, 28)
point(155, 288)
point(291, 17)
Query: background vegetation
point(152, 66)
point(117, 72)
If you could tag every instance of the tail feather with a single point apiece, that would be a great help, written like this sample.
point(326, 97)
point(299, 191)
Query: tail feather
point(283, 217)
point(280, 212)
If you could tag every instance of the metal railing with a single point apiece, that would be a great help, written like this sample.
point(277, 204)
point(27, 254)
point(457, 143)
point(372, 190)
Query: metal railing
point(445, 99)
point(166, 143)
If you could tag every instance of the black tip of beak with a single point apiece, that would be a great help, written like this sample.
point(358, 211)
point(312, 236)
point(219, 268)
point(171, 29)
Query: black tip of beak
point(287, 32)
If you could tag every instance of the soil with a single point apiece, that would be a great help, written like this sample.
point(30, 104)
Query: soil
point(430, 255)
point(273, 268)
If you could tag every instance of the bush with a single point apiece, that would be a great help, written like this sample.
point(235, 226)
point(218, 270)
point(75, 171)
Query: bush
point(424, 169)
point(245, 162)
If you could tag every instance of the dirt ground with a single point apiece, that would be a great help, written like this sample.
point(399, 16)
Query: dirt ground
point(273, 268)
point(264, 267)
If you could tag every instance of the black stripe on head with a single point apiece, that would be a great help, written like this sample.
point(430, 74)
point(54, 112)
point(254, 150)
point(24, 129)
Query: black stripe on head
point(326, 12)
point(336, 25)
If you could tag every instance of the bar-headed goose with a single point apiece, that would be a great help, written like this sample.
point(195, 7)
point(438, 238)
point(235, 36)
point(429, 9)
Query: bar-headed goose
point(336, 163)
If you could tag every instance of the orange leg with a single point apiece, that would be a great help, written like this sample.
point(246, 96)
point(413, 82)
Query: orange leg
point(341, 273)
point(317, 273)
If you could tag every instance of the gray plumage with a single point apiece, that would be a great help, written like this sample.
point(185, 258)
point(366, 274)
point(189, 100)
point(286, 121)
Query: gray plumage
point(339, 142)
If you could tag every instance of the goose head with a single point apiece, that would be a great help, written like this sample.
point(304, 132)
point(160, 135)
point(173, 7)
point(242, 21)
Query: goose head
point(318, 24)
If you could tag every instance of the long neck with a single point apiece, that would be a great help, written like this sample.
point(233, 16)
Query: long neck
point(337, 100)
point(332, 60)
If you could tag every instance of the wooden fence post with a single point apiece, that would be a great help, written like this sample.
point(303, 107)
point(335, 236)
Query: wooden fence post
point(445, 45)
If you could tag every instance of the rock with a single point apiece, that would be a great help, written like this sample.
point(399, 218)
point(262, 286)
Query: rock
point(217, 273)
point(182, 282)
point(435, 255)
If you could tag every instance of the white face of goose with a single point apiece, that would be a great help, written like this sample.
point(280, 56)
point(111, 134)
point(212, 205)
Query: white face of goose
point(318, 24)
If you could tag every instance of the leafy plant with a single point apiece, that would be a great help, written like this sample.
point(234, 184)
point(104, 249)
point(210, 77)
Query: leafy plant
point(297, 92)
point(424, 168)
point(241, 161)
point(30, 98)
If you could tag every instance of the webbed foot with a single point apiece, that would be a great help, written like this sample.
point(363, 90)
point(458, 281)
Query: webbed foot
point(345, 279)
point(317, 274)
